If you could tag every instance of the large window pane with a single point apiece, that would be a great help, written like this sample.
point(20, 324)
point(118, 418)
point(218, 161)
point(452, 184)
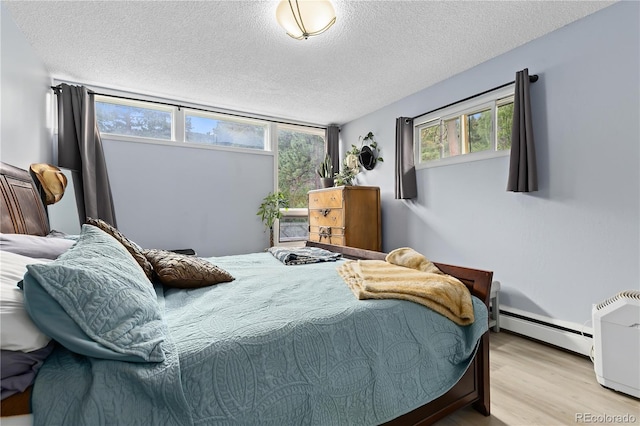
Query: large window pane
point(299, 154)
point(213, 131)
point(505, 123)
point(479, 131)
point(133, 120)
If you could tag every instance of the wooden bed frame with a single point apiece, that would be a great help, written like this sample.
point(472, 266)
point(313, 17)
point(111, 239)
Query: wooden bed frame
point(21, 208)
point(22, 212)
point(473, 387)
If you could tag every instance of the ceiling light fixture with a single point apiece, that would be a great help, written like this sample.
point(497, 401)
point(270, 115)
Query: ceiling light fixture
point(304, 18)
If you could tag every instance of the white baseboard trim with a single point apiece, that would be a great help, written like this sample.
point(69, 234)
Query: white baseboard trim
point(568, 336)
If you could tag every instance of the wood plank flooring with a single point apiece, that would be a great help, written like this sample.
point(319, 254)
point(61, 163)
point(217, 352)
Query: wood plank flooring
point(535, 384)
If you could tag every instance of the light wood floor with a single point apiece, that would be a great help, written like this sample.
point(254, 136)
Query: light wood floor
point(535, 384)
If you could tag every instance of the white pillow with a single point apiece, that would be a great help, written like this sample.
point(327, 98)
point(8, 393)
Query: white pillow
point(17, 331)
point(35, 246)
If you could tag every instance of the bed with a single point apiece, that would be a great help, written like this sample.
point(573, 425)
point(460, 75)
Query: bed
point(309, 352)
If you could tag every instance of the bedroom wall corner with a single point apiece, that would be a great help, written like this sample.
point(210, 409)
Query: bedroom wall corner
point(26, 126)
point(576, 241)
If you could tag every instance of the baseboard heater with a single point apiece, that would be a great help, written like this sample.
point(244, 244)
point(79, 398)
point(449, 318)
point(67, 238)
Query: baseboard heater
point(572, 339)
point(544, 323)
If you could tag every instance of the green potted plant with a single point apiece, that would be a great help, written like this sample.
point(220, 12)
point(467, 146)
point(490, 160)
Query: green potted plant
point(269, 211)
point(325, 171)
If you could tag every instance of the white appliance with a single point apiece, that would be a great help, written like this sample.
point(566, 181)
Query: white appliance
point(616, 342)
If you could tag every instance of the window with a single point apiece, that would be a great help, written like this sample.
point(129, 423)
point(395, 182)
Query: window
point(293, 225)
point(134, 118)
point(222, 130)
point(300, 151)
point(505, 123)
point(478, 128)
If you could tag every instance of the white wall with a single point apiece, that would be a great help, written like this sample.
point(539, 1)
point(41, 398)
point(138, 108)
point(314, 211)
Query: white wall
point(574, 242)
point(25, 123)
point(173, 197)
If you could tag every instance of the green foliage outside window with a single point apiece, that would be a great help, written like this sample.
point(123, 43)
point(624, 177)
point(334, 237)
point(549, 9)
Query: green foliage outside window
point(299, 154)
point(479, 131)
point(505, 123)
point(430, 144)
point(443, 138)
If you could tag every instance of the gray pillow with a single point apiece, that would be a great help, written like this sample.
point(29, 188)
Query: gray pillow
point(97, 293)
point(35, 246)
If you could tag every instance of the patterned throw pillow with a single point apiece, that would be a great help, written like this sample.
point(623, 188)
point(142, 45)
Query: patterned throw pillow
point(182, 271)
point(134, 249)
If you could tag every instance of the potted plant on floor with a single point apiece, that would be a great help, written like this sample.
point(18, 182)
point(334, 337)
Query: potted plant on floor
point(269, 211)
point(325, 171)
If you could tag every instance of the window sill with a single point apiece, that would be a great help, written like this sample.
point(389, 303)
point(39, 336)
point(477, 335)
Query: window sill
point(466, 158)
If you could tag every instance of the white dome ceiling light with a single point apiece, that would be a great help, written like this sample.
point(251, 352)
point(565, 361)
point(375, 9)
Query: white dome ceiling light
point(304, 18)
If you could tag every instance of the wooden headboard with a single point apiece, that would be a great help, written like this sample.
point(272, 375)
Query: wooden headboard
point(21, 209)
point(21, 212)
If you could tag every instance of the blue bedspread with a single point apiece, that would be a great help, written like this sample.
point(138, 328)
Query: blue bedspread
point(277, 346)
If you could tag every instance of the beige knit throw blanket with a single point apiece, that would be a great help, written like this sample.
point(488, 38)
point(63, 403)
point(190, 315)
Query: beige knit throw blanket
point(420, 281)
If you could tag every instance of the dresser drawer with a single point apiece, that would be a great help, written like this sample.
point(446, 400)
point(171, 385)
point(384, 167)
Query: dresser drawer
point(337, 240)
point(326, 230)
point(325, 199)
point(326, 217)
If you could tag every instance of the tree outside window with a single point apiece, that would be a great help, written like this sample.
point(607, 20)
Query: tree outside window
point(300, 151)
point(299, 154)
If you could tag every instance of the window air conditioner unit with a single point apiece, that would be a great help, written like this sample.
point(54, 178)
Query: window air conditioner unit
point(616, 342)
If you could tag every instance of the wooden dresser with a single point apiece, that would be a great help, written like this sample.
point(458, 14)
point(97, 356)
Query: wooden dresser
point(346, 216)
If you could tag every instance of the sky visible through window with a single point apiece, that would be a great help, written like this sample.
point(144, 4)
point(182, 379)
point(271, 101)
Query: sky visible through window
point(202, 125)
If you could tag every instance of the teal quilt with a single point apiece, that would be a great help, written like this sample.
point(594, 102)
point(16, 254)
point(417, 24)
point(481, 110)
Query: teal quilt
point(280, 345)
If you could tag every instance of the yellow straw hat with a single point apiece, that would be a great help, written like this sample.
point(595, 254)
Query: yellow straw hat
point(53, 181)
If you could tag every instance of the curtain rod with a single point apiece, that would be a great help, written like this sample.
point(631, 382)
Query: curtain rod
point(532, 79)
point(57, 90)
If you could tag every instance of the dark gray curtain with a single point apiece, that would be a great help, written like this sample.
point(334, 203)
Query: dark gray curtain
point(406, 186)
point(80, 149)
point(332, 136)
point(523, 174)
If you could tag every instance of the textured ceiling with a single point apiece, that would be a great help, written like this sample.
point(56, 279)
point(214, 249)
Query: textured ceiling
point(232, 54)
